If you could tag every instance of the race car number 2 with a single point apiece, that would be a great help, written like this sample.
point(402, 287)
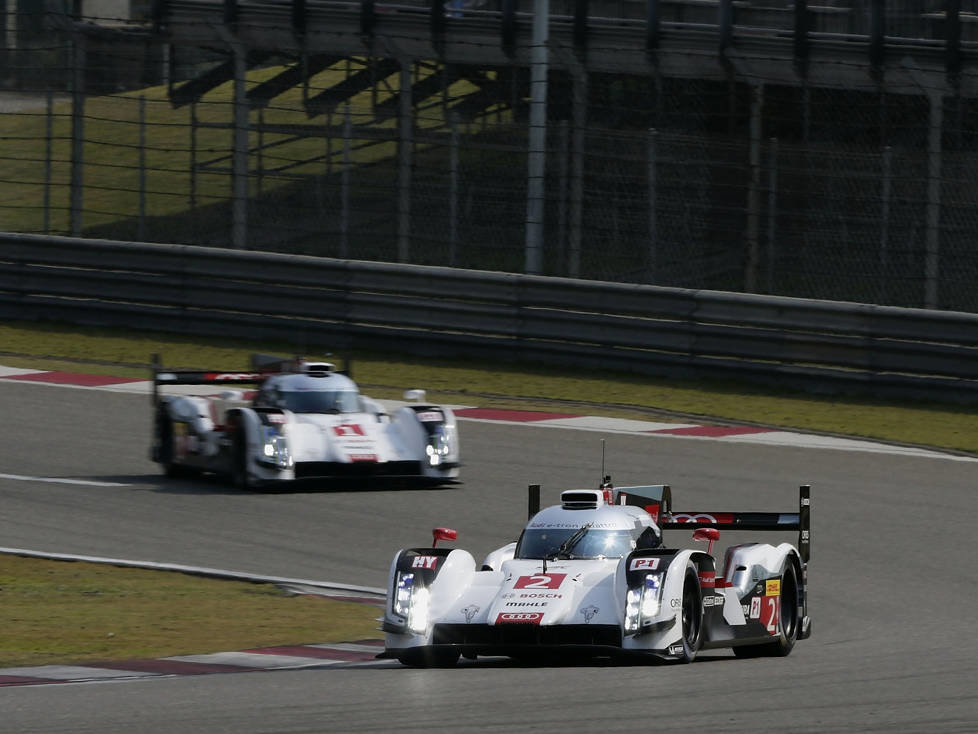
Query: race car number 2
point(540, 581)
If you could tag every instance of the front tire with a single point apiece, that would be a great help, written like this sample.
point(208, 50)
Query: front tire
point(239, 459)
point(692, 615)
point(430, 657)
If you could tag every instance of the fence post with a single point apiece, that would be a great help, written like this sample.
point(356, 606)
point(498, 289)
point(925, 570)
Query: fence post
point(141, 222)
point(239, 175)
point(563, 153)
point(885, 193)
point(652, 253)
point(453, 193)
point(193, 155)
point(48, 142)
point(537, 139)
point(404, 148)
point(77, 133)
point(345, 187)
point(772, 213)
point(580, 94)
point(932, 252)
point(754, 189)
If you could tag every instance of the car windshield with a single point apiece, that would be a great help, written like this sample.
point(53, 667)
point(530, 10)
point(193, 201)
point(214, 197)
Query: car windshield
point(542, 542)
point(318, 401)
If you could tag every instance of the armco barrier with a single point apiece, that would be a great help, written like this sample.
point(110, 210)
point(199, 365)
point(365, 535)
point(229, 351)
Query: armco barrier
point(331, 305)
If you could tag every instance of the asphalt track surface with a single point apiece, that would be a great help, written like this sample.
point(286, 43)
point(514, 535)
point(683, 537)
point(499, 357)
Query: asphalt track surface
point(892, 581)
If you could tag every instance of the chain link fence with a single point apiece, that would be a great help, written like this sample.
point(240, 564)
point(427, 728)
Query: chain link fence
point(737, 185)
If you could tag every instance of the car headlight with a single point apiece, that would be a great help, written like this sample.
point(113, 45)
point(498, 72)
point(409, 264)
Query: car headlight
point(411, 602)
point(440, 444)
point(275, 449)
point(642, 602)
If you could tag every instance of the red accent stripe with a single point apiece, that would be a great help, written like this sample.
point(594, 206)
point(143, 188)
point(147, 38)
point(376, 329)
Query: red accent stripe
point(23, 680)
point(523, 416)
point(69, 378)
point(173, 667)
point(304, 651)
point(713, 431)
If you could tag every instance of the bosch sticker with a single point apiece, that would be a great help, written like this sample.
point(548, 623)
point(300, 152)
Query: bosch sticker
point(519, 618)
point(643, 564)
point(424, 561)
point(540, 581)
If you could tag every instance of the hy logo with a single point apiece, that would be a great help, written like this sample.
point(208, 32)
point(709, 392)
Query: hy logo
point(470, 611)
point(589, 613)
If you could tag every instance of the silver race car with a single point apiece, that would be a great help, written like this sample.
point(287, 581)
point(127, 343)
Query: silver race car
point(592, 577)
point(304, 421)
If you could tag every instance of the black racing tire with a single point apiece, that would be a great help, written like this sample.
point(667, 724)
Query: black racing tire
point(692, 615)
point(170, 468)
point(430, 657)
point(788, 621)
point(239, 457)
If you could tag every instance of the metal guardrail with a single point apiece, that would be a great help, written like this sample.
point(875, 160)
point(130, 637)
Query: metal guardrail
point(341, 304)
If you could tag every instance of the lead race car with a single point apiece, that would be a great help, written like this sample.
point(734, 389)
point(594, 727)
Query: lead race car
point(305, 421)
point(592, 577)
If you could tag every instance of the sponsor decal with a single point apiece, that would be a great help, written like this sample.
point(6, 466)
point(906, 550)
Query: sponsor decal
point(676, 649)
point(589, 612)
point(644, 564)
point(470, 611)
point(275, 417)
point(526, 603)
point(363, 457)
point(773, 588)
point(745, 608)
point(540, 581)
point(770, 613)
point(712, 601)
point(428, 416)
point(219, 376)
point(519, 618)
point(575, 526)
point(675, 603)
point(348, 429)
point(708, 579)
point(755, 607)
point(424, 561)
point(537, 596)
point(722, 518)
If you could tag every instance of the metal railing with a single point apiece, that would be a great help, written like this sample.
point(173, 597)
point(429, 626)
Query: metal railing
point(435, 311)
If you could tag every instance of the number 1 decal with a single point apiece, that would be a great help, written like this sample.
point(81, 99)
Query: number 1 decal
point(540, 581)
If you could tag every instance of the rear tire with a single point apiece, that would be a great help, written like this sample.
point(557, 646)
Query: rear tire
point(692, 615)
point(171, 469)
point(788, 621)
point(239, 458)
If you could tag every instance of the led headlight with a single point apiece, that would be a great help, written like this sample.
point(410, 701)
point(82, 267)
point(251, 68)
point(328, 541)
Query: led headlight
point(275, 449)
point(642, 602)
point(440, 444)
point(411, 602)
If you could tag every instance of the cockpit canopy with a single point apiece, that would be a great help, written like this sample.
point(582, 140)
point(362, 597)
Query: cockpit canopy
point(605, 532)
point(301, 393)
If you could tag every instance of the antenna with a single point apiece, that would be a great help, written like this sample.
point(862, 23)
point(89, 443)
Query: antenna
point(602, 459)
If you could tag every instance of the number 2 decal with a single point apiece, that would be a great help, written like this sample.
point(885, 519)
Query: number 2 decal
point(770, 615)
point(540, 581)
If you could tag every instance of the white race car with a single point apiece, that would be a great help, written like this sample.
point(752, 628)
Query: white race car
point(304, 421)
point(591, 577)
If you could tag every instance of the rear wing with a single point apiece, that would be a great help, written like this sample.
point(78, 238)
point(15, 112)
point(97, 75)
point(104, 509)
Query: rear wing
point(800, 521)
point(162, 377)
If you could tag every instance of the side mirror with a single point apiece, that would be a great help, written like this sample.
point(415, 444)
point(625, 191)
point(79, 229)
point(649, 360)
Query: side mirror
point(443, 534)
point(710, 534)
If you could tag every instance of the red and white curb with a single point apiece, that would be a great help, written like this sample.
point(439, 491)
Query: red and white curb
point(727, 433)
point(286, 657)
